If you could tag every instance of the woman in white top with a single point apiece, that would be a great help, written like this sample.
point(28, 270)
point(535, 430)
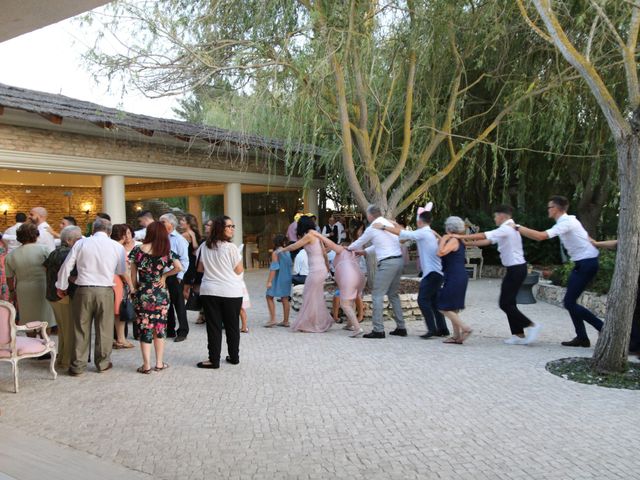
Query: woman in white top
point(221, 291)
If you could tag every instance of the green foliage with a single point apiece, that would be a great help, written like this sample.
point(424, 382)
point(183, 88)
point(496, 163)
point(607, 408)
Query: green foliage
point(600, 283)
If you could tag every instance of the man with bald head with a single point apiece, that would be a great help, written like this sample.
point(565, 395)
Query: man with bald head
point(38, 217)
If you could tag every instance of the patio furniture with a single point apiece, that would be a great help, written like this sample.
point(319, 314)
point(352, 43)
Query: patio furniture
point(474, 253)
point(525, 294)
point(14, 348)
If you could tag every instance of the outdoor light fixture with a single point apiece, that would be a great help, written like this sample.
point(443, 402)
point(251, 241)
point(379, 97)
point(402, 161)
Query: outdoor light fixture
point(87, 208)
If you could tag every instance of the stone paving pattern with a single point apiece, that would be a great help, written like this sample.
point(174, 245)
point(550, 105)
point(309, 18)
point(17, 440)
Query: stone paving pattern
point(320, 406)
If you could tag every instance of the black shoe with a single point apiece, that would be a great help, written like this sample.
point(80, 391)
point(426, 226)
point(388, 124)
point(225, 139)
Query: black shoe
point(374, 335)
point(442, 333)
point(180, 338)
point(207, 365)
point(577, 342)
point(234, 361)
point(428, 335)
point(171, 335)
point(399, 332)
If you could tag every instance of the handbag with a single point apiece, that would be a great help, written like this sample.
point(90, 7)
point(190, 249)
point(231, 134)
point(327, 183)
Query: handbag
point(193, 302)
point(127, 312)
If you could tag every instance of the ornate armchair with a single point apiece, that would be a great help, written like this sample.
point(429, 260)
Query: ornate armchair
point(14, 348)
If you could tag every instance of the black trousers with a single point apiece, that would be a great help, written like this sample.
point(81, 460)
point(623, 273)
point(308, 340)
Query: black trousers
point(298, 279)
point(219, 311)
point(511, 283)
point(176, 309)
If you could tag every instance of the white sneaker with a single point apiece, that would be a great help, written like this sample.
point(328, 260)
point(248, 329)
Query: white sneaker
point(532, 333)
point(515, 340)
point(357, 333)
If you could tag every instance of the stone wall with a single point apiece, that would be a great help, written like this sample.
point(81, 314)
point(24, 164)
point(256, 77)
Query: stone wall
point(410, 308)
point(22, 198)
point(24, 139)
point(554, 294)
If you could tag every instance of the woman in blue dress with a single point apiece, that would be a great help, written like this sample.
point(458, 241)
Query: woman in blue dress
point(454, 287)
point(279, 282)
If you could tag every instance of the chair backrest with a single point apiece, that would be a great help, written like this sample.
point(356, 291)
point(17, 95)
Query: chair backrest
point(473, 252)
point(7, 321)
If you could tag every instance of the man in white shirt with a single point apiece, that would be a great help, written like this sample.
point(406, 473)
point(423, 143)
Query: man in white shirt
point(180, 247)
point(387, 278)
point(512, 257)
point(300, 268)
point(145, 218)
point(342, 233)
point(431, 267)
point(97, 259)
point(585, 257)
point(9, 236)
point(38, 216)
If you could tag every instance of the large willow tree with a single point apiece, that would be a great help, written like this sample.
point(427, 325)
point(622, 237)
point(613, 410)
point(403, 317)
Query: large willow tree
point(612, 27)
point(396, 88)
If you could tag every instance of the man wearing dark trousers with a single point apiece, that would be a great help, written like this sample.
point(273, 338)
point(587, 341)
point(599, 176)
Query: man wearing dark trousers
point(180, 247)
point(512, 257)
point(585, 258)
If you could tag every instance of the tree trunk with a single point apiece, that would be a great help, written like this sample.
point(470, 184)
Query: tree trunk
point(611, 350)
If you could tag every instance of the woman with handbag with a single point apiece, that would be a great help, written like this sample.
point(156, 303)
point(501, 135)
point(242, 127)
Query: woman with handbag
point(123, 234)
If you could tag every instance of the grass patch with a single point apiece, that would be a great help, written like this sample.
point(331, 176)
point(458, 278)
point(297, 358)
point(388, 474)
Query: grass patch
point(578, 369)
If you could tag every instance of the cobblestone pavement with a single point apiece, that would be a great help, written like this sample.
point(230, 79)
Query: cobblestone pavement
point(316, 406)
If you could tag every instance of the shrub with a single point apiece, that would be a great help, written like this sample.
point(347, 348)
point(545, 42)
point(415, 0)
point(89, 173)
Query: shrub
point(600, 284)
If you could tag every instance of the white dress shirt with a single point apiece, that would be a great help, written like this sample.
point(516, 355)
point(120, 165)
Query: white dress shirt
point(9, 237)
point(574, 238)
point(386, 244)
point(509, 243)
point(180, 247)
point(45, 238)
point(427, 248)
point(219, 278)
point(301, 263)
point(97, 258)
point(342, 234)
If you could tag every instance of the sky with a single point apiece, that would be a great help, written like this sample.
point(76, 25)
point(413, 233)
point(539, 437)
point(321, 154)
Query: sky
point(49, 60)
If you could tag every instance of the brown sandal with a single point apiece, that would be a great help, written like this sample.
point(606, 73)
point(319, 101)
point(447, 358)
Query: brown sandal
point(142, 370)
point(453, 340)
point(120, 346)
point(163, 367)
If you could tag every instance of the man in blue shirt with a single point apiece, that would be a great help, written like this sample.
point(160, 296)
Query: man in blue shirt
point(180, 247)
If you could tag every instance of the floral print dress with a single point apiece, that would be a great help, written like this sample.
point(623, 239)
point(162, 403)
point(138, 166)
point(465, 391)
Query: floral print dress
point(151, 301)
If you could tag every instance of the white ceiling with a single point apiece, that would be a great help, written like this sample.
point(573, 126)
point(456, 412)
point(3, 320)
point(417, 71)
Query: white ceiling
point(23, 16)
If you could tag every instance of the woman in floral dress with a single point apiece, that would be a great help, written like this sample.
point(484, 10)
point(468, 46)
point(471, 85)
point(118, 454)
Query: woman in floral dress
point(151, 297)
point(4, 288)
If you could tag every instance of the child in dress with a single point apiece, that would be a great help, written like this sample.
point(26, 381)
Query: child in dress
point(279, 282)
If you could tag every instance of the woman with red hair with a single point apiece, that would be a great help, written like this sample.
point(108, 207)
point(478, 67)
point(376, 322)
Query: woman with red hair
point(151, 297)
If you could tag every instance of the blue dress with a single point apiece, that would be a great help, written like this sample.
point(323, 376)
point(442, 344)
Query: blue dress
point(281, 284)
point(454, 287)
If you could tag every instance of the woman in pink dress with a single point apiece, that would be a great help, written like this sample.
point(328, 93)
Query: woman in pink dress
point(350, 280)
point(313, 315)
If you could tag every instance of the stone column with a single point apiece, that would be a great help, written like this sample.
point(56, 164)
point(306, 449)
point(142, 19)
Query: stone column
point(233, 208)
point(113, 198)
point(310, 198)
point(194, 207)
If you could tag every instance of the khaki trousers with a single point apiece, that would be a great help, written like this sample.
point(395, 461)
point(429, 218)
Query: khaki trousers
point(66, 335)
point(97, 304)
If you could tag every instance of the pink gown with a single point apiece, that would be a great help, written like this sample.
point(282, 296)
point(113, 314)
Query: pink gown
point(313, 315)
point(348, 275)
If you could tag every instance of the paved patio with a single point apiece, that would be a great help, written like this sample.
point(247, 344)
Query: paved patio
point(320, 406)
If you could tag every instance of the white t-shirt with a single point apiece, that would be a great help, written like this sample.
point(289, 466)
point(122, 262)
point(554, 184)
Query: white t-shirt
point(509, 243)
point(9, 237)
point(427, 248)
point(219, 278)
point(301, 263)
point(574, 238)
point(45, 238)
